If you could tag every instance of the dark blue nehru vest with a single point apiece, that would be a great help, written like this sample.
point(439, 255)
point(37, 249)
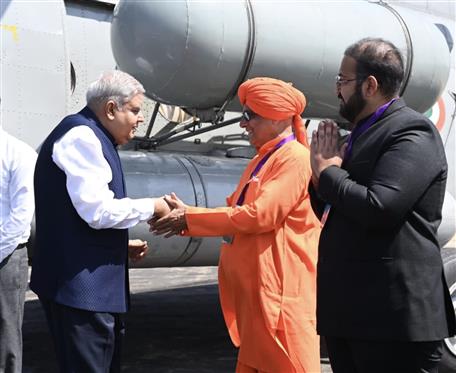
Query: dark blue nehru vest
point(74, 264)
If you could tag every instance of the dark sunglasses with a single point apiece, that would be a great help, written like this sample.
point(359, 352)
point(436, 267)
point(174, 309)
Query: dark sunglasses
point(248, 115)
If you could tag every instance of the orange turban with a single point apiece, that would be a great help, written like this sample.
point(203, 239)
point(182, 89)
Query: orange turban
point(276, 100)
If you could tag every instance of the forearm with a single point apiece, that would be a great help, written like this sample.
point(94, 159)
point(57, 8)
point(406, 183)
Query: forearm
point(252, 218)
point(281, 190)
point(382, 204)
point(15, 225)
point(14, 230)
point(209, 222)
point(353, 200)
point(88, 175)
point(11, 235)
point(116, 213)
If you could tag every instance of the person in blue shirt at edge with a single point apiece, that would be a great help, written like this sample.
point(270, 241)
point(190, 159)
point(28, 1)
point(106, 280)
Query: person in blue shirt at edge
point(382, 301)
point(80, 261)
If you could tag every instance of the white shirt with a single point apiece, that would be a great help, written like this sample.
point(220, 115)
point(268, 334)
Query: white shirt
point(78, 153)
point(17, 202)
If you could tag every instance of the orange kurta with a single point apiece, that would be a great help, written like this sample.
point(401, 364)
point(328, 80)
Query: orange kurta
point(267, 275)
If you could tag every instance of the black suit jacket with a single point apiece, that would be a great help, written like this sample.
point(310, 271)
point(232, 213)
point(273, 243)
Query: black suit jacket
point(380, 273)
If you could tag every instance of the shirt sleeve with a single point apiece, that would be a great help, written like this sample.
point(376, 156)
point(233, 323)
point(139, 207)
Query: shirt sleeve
point(15, 225)
point(79, 154)
point(280, 191)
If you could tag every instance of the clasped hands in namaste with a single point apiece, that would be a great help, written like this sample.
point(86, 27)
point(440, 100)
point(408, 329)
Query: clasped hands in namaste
point(324, 149)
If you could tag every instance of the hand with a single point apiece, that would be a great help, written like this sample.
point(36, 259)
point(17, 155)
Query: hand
point(174, 222)
point(137, 249)
point(324, 150)
point(162, 208)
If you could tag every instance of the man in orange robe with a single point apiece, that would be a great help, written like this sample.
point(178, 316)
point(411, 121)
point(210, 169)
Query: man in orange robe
point(267, 269)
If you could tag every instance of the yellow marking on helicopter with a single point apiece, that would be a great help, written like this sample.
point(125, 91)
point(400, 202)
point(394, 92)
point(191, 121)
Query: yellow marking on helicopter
point(13, 30)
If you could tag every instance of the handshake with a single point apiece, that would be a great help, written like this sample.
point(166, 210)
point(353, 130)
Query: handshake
point(169, 216)
point(168, 219)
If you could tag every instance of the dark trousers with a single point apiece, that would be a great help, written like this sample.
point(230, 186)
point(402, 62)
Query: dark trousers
point(85, 341)
point(362, 356)
point(13, 284)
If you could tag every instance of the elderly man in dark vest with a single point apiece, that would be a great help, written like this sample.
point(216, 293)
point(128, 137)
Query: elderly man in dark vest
point(82, 218)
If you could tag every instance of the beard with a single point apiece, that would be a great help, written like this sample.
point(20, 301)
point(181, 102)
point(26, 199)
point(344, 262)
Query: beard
point(355, 105)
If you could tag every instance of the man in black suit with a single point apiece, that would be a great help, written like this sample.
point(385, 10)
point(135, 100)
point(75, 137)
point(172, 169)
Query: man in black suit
point(382, 302)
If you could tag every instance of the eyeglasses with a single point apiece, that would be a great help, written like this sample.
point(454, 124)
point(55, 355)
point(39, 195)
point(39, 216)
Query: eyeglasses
point(341, 81)
point(248, 115)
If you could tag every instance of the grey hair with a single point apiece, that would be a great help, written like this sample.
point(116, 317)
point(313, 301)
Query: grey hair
point(113, 85)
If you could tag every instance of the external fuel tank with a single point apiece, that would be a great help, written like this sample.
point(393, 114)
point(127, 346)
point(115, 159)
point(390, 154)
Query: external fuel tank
point(194, 54)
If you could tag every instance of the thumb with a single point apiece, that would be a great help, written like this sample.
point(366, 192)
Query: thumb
point(176, 198)
point(172, 200)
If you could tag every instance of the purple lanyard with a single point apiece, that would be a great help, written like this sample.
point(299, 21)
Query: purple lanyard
point(260, 164)
point(364, 126)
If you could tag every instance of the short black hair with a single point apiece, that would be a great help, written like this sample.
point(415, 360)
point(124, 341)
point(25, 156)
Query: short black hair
point(380, 58)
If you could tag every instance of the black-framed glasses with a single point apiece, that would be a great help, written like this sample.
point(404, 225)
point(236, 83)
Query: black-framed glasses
point(248, 115)
point(342, 81)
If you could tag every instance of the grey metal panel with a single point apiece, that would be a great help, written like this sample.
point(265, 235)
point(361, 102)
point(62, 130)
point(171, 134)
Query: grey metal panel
point(40, 16)
point(87, 29)
point(218, 178)
point(182, 50)
point(35, 84)
point(448, 226)
point(200, 200)
point(431, 61)
point(439, 8)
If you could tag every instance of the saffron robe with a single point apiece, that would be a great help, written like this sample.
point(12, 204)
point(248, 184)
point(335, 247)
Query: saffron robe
point(267, 274)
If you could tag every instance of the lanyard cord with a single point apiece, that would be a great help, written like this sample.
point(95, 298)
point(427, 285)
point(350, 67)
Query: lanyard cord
point(260, 164)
